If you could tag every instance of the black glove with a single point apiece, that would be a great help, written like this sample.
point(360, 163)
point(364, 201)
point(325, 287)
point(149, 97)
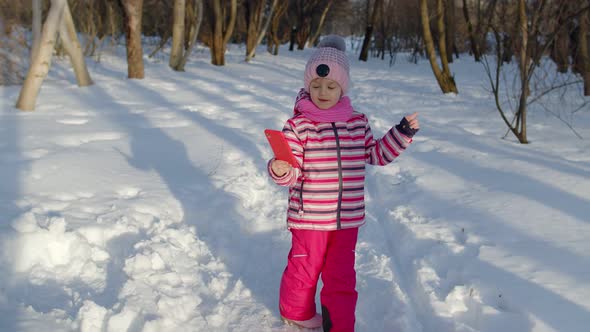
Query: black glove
point(404, 128)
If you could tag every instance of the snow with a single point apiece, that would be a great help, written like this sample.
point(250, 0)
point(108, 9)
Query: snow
point(144, 205)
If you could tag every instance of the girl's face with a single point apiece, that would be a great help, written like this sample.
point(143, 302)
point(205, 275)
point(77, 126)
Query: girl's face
point(324, 92)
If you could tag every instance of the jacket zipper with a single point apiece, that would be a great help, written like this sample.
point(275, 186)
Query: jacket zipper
point(338, 226)
point(301, 195)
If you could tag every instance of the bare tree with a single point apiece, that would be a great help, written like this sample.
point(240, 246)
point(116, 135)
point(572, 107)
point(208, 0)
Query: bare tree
point(133, 15)
point(314, 38)
point(443, 76)
point(402, 28)
point(477, 33)
point(58, 18)
point(560, 48)
point(369, 29)
point(114, 20)
point(273, 34)
point(450, 28)
point(519, 129)
point(583, 59)
point(177, 33)
point(195, 16)
point(254, 10)
point(220, 29)
point(537, 21)
point(183, 43)
point(306, 14)
point(385, 39)
point(69, 38)
point(89, 18)
point(256, 28)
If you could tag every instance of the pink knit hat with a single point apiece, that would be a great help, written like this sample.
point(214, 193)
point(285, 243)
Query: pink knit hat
point(329, 61)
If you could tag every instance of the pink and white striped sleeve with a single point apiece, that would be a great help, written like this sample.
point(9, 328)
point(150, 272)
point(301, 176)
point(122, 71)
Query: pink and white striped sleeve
point(383, 151)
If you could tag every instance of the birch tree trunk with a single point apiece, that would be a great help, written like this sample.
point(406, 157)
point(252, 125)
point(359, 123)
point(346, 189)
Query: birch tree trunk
point(133, 11)
point(36, 27)
point(177, 33)
point(40, 65)
point(69, 38)
point(59, 17)
point(193, 34)
point(443, 77)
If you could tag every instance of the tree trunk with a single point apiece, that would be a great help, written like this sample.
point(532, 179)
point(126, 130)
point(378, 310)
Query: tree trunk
point(274, 41)
point(369, 31)
point(220, 37)
point(133, 13)
point(444, 79)
point(217, 49)
point(194, 33)
point(232, 21)
point(88, 25)
point(313, 40)
point(40, 65)
point(256, 28)
point(303, 33)
point(524, 65)
point(364, 55)
point(561, 44)
point(560, 51)
point(450, 28)
point(507, 48)
point(473, 40)
point(254, 10)
point(584, 59)
point(265, 27)
point(112, 26)
point(177, 34)
point(36, 27)
point(69, 38)
point(442, 39)
point(293, 38)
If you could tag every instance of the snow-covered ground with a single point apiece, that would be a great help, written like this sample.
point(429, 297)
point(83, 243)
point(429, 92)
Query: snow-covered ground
point(144, 205)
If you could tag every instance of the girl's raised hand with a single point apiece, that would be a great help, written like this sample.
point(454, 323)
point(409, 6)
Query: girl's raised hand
point(413, 120)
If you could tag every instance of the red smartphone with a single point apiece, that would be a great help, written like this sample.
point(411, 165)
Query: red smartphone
point(280, 146)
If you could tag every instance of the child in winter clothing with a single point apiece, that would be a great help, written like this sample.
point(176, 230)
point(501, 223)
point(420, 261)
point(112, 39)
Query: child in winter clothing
point(332, 143)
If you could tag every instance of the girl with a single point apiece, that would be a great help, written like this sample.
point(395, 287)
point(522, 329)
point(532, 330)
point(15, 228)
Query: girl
point(332, 143)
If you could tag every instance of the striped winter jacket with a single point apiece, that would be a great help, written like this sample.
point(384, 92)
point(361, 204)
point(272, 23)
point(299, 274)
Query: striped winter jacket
point(327, 193)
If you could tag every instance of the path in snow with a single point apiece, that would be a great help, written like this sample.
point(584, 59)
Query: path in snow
point(145, 205)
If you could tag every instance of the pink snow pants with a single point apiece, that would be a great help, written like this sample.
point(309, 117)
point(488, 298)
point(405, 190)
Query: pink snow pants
point(331, 254)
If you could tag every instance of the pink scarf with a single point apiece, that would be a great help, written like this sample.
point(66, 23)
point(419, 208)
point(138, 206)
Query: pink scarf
point(340, 112)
